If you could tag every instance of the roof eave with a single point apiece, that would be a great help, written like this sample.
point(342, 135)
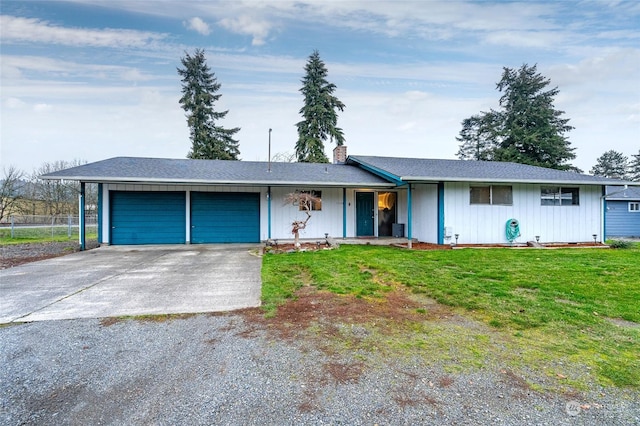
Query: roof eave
point(433, 179)
point(396, 180)
point(135, 180)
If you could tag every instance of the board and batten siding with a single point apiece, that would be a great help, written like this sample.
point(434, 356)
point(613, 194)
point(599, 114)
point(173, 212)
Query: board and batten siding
point(328, 220)
point(424, 203)
point(478, 224)
point(187, 189)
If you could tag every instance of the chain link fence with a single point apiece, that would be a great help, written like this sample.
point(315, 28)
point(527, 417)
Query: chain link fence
point(53, 228)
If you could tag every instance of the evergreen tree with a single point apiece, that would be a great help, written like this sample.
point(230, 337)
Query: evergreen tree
point(199, 94)
point(634, 167)
point(477, 137)
point(319, 113)
point(611, 164)
point(527, 129)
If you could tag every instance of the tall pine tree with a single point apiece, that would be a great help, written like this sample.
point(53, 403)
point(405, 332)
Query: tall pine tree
point(319, 114)
point(634, 167)
point(478, 136)
point(527, 128)
point(199, 94)
point(611, 164)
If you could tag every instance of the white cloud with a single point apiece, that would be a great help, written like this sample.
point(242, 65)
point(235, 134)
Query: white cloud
point(52, 68)
point(14, 103)
point(526, 39)
point(42, 108)
point(198, 25)
point(246, 25)
point(15, 30)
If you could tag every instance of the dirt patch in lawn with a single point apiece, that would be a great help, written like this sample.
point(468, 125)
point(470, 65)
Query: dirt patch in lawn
point(352, 328)
point(332, 312)
point(623, 323)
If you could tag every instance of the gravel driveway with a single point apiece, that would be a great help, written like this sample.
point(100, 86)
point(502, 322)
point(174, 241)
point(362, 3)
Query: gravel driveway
point(233, 369)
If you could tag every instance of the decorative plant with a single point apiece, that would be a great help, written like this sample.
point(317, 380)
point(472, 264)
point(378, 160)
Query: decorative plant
point(305, 201)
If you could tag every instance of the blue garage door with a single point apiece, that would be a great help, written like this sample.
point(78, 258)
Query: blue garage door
point(148, 217)
point(225, 217)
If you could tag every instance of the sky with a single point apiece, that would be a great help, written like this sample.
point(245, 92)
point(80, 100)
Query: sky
point(89, 80)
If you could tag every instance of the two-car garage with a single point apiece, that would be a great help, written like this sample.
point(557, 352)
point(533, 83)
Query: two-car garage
point(148, 217)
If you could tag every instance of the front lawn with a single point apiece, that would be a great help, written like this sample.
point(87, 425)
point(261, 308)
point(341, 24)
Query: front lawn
point(571, 316)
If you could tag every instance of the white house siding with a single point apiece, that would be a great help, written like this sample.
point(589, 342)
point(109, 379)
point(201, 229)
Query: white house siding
point(328, 220)
point(106, 226)
point(477, 224)
point(424, 213)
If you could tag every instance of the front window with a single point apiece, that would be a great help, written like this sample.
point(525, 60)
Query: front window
point(559, 196)
point(491, 194)
point(634, 207)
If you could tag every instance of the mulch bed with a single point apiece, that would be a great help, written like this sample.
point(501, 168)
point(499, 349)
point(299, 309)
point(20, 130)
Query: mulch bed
point(429, 246)
point(290, 247)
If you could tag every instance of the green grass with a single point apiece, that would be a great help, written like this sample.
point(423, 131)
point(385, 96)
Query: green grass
point(549, 310)
point(41, 235)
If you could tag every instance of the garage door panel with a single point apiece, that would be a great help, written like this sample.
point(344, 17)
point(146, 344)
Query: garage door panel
point(148, 217)
point(225, 217)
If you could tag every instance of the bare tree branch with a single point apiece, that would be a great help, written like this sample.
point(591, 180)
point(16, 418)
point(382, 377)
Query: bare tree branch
point(10, 190)
point(305, 200)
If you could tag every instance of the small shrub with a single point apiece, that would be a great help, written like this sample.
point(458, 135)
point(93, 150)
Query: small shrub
point(620, 244)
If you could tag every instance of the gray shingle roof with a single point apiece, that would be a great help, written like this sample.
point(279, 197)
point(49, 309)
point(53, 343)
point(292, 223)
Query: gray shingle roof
point(620, 193)
point(182, 171)
point(431, 170)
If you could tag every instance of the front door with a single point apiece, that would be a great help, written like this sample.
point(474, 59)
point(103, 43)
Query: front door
point(364, 214)
point(386, 213)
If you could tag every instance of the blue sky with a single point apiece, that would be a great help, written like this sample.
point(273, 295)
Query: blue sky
point(91, 79)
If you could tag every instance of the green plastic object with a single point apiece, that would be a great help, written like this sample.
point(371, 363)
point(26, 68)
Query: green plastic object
point(512, 230)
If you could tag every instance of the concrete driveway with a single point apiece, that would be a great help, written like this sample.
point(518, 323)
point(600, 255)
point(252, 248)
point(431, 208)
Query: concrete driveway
point(132, 280)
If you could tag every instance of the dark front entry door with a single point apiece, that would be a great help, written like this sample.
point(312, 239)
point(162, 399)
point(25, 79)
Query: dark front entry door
point(364, 214)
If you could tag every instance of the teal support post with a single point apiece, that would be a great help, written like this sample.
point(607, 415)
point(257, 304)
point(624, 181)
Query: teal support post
point(344, 212)
point(81, 226)
point(100, 195)
point(269, 209)
point(604, 215)
point(409, 214)
point(440, 212)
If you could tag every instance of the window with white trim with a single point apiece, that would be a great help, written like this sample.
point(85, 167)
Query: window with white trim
point(491, 194)
point(559, 196)
point(634, 207)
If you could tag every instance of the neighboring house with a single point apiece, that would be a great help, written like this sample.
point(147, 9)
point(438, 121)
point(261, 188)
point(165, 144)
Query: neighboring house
point(622, 214)
point(154, 201)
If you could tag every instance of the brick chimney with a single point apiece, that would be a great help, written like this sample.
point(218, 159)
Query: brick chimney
point(340, 154)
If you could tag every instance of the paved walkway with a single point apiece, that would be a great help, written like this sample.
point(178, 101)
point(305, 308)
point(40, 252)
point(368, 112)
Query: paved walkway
point(132, 280)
